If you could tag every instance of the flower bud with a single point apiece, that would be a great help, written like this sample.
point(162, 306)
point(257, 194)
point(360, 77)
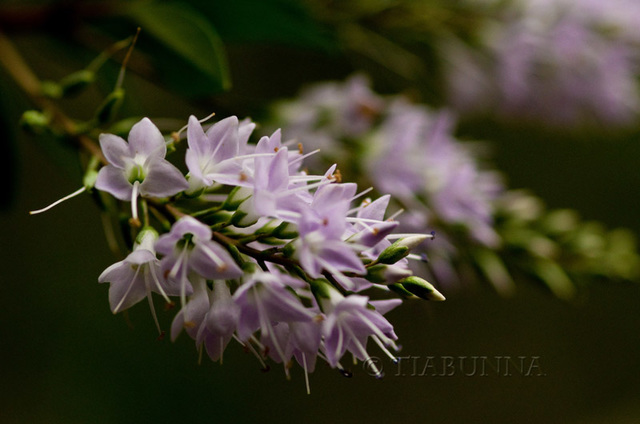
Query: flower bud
point(34, 121)
point(421, 288)
point(386, 274)
point(399, 289)
point(286, 230)
point(236, 197)
point(400, 249)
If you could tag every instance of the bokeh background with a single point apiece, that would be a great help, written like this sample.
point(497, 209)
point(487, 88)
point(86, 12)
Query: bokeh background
point(64, 358)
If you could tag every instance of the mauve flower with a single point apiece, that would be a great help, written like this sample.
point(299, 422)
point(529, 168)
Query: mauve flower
point(350, 322)
point(137, 276)
point(220, 322)
point(192, 314)
point(188, 249)
point(321, 227)
point(265, 299)
point(563, 62)
point(212, 156)
point(138, 167)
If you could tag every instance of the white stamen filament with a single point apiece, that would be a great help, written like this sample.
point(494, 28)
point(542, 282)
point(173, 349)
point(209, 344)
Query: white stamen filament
point(303, 157)
point(405, 235)
point(306, 187)
point(158, 285)
point(265, 324)
point(117, 308)
point(362, 193)
point(306, 373)
point(253, 350)
point(181, 130)
point(150, 299)
point(392, 217)
point(339, 276)
point(212, 255)
point(387, 341)
point(363, 352)
point(134, 200)
point(255, 340)
point(57, 202)
point(384, 348)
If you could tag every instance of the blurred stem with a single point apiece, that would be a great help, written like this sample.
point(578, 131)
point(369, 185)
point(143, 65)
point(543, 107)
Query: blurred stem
point(25, 78)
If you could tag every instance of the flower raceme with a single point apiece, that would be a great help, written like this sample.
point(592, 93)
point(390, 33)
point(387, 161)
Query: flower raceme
point(243, 240)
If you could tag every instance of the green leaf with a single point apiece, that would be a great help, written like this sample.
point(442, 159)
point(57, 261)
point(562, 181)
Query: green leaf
point(287, 22)
point(191, 38)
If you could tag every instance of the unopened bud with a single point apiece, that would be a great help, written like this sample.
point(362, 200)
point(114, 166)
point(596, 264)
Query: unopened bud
point(386, 274)
point(34, 121)
point(421, 288)
point(400, 249)
point(286, 231)
point(236, 197)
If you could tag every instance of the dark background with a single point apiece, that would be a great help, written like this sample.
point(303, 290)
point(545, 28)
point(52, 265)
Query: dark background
point(64, 358)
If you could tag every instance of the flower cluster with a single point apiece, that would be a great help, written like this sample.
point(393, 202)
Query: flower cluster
point(560, 61)
point(483, 230)
point(255, 249)
point(408, 151)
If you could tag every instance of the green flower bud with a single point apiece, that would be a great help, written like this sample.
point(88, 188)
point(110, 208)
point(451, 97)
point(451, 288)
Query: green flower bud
point(400, 249)
point(244, 219)
point(386, 274)
point(286, 231)
point(236, 197)
point(421, 288)
point(35, 122)
point(399, 289)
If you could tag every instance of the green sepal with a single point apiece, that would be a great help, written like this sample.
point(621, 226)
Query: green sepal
point(375, 273)
point(242, 219)
point(286, 230)
point(399, 289)
point(236, 197)
point(236, 255)
point(393, 253)
point(321, 289)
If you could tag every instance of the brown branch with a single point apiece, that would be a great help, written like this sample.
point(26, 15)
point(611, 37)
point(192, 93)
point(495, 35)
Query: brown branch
point(25, 78)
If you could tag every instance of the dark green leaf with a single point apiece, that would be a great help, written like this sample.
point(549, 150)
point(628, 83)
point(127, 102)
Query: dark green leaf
point(193, 41)
point(266, 21)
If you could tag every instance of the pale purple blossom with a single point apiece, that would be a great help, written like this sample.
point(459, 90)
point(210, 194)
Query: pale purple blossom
point(321, 245)
point(212, 157)
point(350, 323)
point(265, 299)
point(137, 276)
point(188, 248)
point(192, 314)
point(138, 166)
point(220, 322)
point(560, 61)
